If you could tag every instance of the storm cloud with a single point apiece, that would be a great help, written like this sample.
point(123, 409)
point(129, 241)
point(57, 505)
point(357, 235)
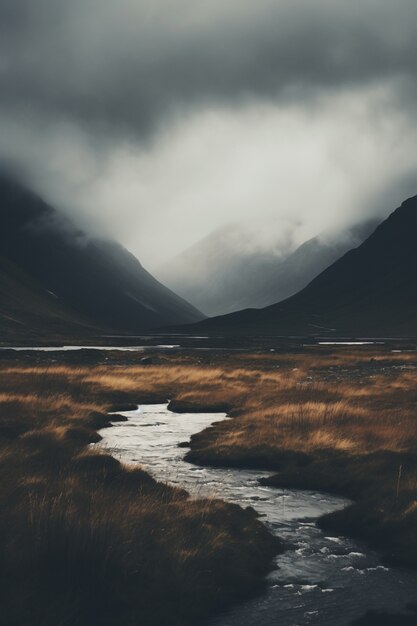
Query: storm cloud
point(125, 65)
point(159, 121)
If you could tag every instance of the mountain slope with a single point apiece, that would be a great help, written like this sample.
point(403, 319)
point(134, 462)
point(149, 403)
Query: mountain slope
point(220, 276)
point(371, 290)
point(28, 311)
point(93, 280)
point(210, 272)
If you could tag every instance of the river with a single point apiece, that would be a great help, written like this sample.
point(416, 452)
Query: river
point(324, 580)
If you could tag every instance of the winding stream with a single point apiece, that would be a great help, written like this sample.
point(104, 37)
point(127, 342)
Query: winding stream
point(328, 581)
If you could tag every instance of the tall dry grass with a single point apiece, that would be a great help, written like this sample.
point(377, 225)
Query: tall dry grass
point(86, 540)
point(340, 421)
point(295, 406)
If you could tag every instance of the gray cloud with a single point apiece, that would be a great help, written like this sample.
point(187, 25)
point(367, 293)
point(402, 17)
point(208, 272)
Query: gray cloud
point(161, 120)
point(124, 66)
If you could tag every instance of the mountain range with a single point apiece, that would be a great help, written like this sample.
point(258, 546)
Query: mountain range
point(370, 291)
point(54, 276)
point(58, 281)
point(222, 273)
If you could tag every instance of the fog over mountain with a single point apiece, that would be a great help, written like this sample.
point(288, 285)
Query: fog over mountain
point(54, 278)
point(159, 122)
point(369, 292)
point(225, 273)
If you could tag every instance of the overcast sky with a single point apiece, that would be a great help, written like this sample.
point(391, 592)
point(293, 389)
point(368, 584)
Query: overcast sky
point(158, 121)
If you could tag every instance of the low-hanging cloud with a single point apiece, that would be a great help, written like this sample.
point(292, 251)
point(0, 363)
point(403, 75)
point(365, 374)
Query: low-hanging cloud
point(162, 120)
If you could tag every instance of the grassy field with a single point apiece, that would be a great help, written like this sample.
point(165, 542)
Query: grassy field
point(344, 423)
point(339, 420)
point(109, 541)
point(85, 540)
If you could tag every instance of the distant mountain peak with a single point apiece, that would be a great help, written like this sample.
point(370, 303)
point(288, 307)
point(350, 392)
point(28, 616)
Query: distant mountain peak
point(219, 277)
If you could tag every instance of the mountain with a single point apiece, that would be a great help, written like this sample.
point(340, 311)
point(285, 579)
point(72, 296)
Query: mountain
point(51, 270)
point(222, 274)
point(370, 291)
point(210, 271)
point(29, 312)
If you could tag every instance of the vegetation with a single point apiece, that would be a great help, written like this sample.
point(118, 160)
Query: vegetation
point(85, 540)
point(342, 421)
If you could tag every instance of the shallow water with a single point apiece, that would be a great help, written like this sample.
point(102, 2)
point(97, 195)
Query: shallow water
point(325, 580)
point(77, 348)
point(350, 343)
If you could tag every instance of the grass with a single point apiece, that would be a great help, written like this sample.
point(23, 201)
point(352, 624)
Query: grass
point(345, 424)
point(86, 540)
point(115, 547)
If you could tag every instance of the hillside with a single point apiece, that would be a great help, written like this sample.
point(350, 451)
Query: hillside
point(28, 312)
point(370, 291)
point(222, 273)
point(51, 270)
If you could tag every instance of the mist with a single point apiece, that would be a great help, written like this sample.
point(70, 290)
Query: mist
point(157, 124)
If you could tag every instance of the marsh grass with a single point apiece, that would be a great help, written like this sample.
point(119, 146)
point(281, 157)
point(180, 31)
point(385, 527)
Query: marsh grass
point(116, 547)
point(86, 540)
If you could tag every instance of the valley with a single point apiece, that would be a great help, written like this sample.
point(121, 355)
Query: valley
point(335, 419)
point(208, 313)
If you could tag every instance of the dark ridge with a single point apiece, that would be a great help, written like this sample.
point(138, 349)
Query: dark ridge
point(52, 271)
point(370, 291)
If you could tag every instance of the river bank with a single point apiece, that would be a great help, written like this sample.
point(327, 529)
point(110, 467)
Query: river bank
point(318, 417)
point(347, 428)
point(324, 579)
point(87, 540)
